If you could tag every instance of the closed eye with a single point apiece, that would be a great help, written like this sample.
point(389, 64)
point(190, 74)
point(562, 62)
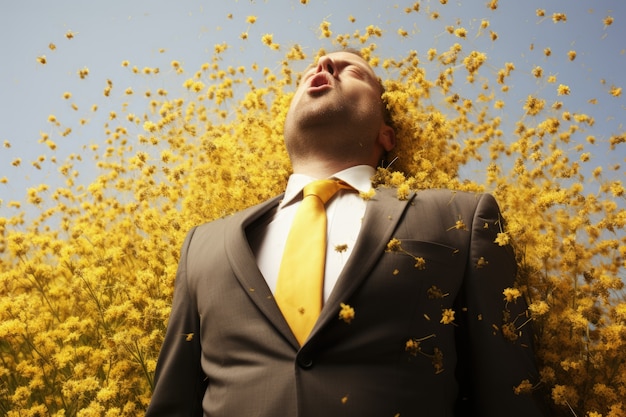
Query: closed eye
point(354, 71)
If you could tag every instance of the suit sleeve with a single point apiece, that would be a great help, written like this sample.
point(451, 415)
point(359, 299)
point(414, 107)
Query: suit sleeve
point(179, 382)
point(495, 339)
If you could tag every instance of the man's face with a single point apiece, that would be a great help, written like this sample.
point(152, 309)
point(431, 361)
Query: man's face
point(339, 93)
point(340, 79)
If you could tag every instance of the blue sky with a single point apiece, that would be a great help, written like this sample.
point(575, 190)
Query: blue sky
point(152, 33)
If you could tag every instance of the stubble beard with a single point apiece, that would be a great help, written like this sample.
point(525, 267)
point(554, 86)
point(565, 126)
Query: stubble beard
point(327, 129)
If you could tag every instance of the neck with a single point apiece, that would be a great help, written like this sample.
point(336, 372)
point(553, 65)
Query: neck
point(321, 168)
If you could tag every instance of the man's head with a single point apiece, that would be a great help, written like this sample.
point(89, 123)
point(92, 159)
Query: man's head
point(337, 117)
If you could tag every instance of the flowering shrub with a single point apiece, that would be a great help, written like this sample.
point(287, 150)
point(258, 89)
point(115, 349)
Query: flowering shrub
point(86, 281)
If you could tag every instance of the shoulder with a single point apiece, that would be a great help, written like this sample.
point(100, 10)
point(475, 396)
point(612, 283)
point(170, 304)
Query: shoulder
point(438, 197)
point(444, 206)
point(241, 218)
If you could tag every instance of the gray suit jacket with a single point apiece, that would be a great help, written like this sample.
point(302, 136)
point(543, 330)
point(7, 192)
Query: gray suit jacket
point(395, 358)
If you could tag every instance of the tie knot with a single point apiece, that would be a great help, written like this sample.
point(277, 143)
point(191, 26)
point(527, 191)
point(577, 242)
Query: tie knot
point(324, 189)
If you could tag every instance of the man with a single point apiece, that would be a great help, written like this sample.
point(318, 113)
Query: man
point(414, 319)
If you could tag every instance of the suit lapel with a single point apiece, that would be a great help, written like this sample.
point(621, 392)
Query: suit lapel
point(244, 266)
point(382, 216)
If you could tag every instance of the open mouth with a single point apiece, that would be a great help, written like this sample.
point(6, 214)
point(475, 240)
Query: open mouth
point(319, 80)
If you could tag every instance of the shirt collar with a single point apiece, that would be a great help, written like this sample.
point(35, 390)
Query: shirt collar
point(358, 177)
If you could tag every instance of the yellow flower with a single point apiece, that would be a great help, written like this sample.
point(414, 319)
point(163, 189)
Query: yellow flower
point(403, 192)
point(412, 346)
point(502, 239)
point(534, 105)
point(325, 29)
point(563, 90)
point(367, 195)
point(525, 387)
point(458, 225)
point(83, 73)
point(539, 308)
point(447, 316)
point(511, 294)
point(394, 245)
point(420, 263)
point(267, 39)
point(481, 262)
point(460, 32)
point(616, 91)
point(346, 313)
point(435, 292)
point(341, 248)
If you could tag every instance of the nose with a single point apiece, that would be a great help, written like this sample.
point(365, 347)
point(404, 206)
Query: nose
point(325, 63)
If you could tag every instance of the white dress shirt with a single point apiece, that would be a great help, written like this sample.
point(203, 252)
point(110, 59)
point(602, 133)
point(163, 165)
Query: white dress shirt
point(344, 212)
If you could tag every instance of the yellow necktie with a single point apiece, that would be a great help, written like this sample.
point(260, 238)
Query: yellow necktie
point(301, 276)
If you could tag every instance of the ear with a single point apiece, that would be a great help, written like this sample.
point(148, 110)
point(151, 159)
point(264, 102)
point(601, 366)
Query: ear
point(387, 137)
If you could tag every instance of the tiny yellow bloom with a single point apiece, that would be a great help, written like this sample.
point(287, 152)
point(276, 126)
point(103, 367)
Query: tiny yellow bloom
point(461, 33)
point(502, 239)
point(341, 248)
point(511, 294)
point(83, 73)
point(367, 195)
point(420, 263)
point(346, 313)
point(539, 308)
point(447, 316)
point(481, 262)
point(458, 225)
point(616, 91)
point(435, 292)
point(525, 387)
point(394, 245)
point(563, 90)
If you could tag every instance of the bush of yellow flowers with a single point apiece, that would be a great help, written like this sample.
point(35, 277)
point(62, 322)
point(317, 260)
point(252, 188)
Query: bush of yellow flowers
point(86, 282)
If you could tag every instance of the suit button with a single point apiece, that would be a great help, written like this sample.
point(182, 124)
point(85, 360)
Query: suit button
point(305, 362)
